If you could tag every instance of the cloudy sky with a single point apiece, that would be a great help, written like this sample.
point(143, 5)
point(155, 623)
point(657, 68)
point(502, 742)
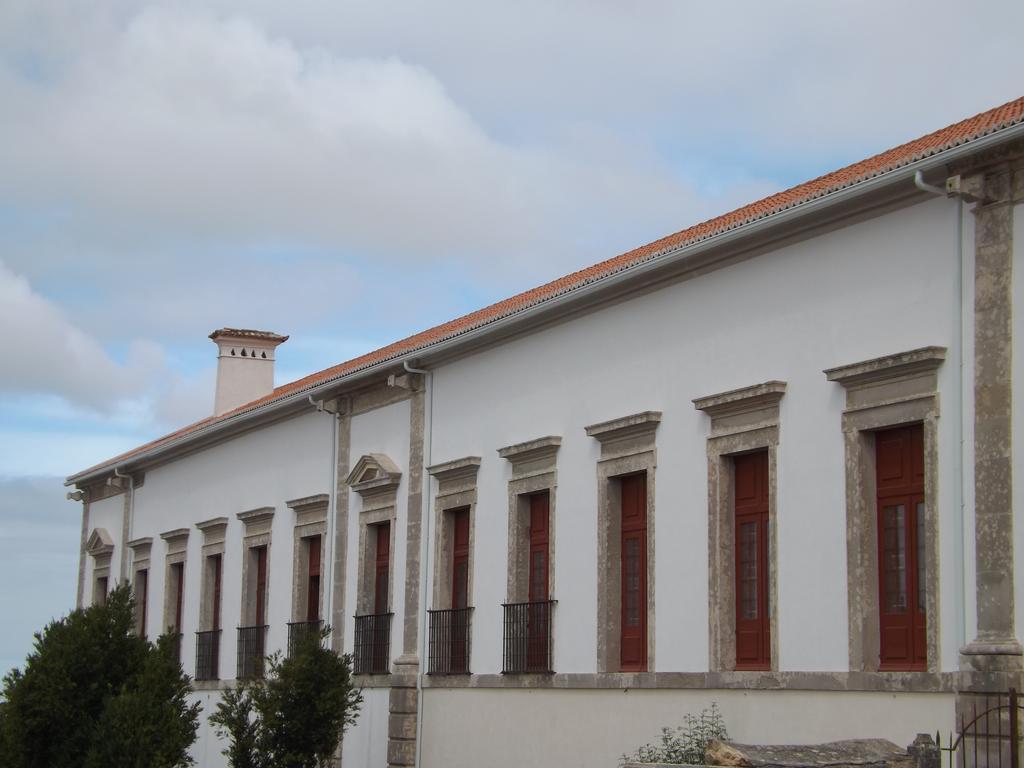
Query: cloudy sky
point(349, 173)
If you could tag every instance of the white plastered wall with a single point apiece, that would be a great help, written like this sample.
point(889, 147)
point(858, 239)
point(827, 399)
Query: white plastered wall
point(878, 287)
point(367, 743)
point(286, 460)
point(384, 430)
point(584, 729)
point(108, 514)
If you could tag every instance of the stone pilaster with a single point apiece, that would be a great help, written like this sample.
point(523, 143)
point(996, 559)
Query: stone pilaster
point(403, 702)
point(339, 550)
point(995, 188)
point(83, 551)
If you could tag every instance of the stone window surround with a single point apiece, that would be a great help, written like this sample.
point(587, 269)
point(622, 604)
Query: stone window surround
point(742, 421)
point(100, 547)
point(141, 549)
point(310, 520)
point(533, 471)
point(214, 531)
point(884, 392)
point(627, 447)
point(456, 489)
point(375, 478)
point(257, 523)
point(177, 552)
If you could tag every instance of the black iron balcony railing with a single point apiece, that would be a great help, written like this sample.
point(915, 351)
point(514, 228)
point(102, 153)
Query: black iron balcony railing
point(527, 637)
point(300, 630)
point(372, 644)
point(175, 643)
point(448, 643)
point(208, 655)
point(252, 650)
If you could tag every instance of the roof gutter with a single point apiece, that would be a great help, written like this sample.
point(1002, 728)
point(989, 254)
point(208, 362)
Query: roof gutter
point(907, 172)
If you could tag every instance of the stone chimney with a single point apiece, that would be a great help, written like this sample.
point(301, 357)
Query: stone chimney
point(245, 366)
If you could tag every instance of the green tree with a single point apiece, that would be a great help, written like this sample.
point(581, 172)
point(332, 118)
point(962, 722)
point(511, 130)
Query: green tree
point(296, 715)
point(94, 693)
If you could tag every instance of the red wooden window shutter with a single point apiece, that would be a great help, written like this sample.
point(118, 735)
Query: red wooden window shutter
point(899, 459)
point(753, 612)
point(261, 586)
point(313, 579)
point(539, 547)
point(633, 627)
point(142, 597)
point(460, 558)
point(382, 568)
point(216, 564)
point(178, 579)
point(538, 616)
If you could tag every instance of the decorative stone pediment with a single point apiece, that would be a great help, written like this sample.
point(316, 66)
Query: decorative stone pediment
point(457, 475)
point(626, 436)
point(533, 457)
point(374, 474)
point(214, 531)
point(177, 540)
point(256, 516)
point(140, 549)
point(902, 377)
point(258, 523)
point(903, 365)
point(307, 503)
point(100, 543)
point(310, 509)
point(744, 409)
point(541, 448)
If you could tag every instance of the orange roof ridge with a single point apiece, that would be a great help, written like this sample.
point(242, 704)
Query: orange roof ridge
point(967, 130)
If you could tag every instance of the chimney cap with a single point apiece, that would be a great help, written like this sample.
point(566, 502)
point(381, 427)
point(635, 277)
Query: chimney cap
point(247, 334)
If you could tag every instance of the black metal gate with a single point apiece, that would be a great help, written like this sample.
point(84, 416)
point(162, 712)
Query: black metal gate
point(988, 736)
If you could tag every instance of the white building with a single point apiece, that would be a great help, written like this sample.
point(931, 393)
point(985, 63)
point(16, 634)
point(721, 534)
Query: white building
point(765, 461)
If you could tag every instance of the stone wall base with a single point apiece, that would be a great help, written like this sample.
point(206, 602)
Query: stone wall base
point(402, 708)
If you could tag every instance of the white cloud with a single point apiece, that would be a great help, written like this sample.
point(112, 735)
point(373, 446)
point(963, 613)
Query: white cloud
point(58, 374)
point(207, 127)
point(46, 352)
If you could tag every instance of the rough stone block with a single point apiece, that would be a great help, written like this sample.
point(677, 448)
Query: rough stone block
point(402, 701)
point(869, 753)
point(401, 752)
point(402, 726)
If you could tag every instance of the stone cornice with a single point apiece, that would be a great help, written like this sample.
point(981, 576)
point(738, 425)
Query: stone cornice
point(642, 423)
point(211, 525)
point(141, 546)
point(541, 448)
point(888, 368)
point(306, 503)
point(258, 515)
point(743, 400)
point(177, 533)
point(459, 469)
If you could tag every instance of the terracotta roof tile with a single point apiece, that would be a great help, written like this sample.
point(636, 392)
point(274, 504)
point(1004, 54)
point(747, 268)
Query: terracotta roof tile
point(967, 130)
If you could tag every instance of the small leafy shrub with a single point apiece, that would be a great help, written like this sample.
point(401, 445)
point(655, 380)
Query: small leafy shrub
point(95, 694)
point(686, 744)
point(295, 717)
